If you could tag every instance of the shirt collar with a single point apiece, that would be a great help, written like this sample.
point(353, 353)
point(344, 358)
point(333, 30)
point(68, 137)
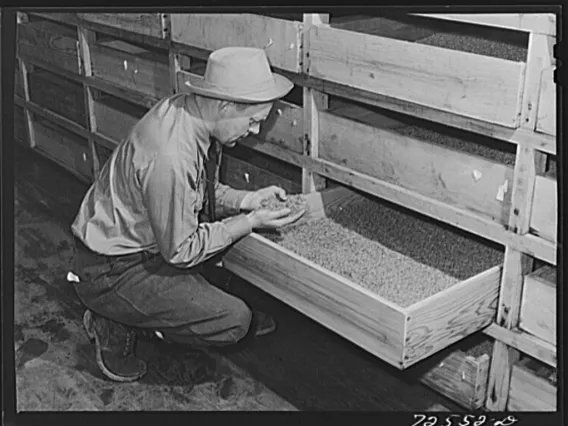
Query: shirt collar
point(202, 135)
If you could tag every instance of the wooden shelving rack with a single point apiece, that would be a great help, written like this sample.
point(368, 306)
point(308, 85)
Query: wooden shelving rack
point(121, 64)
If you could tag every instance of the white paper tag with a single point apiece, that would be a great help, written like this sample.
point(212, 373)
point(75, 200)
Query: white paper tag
point(72, 278)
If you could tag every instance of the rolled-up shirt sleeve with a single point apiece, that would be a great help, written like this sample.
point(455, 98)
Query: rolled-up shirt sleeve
point(169, 193)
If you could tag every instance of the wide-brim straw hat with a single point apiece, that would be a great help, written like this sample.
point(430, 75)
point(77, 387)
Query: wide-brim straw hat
point(240, 74)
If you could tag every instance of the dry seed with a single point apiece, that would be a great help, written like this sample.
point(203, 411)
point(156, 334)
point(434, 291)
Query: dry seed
point(294, 202)
point(392, 253)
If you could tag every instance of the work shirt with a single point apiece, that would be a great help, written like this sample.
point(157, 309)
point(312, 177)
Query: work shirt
point(149, 194)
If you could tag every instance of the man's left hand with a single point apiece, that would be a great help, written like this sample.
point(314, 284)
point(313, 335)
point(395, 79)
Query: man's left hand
point(253, 200)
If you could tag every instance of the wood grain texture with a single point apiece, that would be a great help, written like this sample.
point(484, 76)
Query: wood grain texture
point(61, 96)
point(530, 392)
point(544, 214)
point(114, 119)
point(460, 377)
point(149, 24)
point(349, 310)
point(20, 132)
point(541, 141)
point(64, 148)
point(214, 31)
point(440, 320)
point(437, 172)
point(538, 307)
point(524, 342)
point(138, 72)
point(51, 43)
point(465, 84)
point(242, 175)
point(546, 116)
point(18, 83)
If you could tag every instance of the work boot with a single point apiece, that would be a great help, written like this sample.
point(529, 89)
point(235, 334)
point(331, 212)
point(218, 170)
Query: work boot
point(114, 348)
point(262, 323)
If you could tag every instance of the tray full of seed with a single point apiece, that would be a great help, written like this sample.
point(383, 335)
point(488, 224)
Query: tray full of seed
point(397, 284)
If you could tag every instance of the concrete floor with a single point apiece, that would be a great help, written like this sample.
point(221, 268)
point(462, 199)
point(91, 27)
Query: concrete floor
point(302, 366)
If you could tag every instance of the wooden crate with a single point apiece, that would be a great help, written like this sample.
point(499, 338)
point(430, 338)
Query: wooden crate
point(538, 307)
point(544, 213)
point(460, 372)
point(103, 154)
point(114, 117)
point(63, 147)
point(51, 43)
point(282, 38)
point(476, 86)
point(148, 24)
point(401, 336)
point(445, 174)
point(546, 116)
point(132, 67)
point(531, 388)
point(58, 95)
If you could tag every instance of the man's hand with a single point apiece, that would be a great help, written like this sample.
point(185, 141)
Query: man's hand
point(267, 219)
point(253, 200)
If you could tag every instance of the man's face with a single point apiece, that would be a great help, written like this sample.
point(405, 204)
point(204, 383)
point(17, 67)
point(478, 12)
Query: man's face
point(235, 124)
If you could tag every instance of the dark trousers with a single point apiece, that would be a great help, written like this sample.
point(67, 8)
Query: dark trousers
point(144, 291)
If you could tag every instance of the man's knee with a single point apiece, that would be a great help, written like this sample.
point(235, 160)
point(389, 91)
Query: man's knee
point(240, 320)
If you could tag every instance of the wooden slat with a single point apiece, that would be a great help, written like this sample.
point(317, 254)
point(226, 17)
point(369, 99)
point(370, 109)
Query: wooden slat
point(113, 121)
point(540, 141)
point(431, 170)
point(131, 71)
point(546, 117)
point(544, 219)
point(313, 103)
point(531, 345)
point(52, 43)
point(25, 71)
point(539, 58)
point(470, 85)
point(460, 377)
point(38, 63)
point(327, 298)
point(20, 131)
point(530, 392)
point(214, 31)
point(71, 152)
point(130, 95)
point(542, 23)
point(242, 175)
point(445, 318)
point(55, 118)
point(149, 24)
point(106, 142)
point(433, 208)
point(58, 95)
point(538, 308)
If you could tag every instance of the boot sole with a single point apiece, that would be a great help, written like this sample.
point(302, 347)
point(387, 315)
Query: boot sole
point(94, 338)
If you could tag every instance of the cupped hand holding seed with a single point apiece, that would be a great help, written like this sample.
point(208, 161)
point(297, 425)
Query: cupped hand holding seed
point(253, 200)
point(270, 219)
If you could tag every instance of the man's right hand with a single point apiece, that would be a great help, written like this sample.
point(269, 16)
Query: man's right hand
point(267, 219)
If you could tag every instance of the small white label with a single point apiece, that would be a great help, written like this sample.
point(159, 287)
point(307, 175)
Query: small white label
point(72, 278)
point(500, 194)
point(247, 177)
point(125, 64)
point(476, 175)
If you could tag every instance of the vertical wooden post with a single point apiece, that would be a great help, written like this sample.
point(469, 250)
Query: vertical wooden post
point(86, 39)
point(517, 264)
point(25, 71)
point(313, 102)
point(175, 67)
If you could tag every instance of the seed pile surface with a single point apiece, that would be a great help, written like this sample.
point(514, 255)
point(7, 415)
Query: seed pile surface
point(294, 202)
point(478, 45)
point(481, 348)
point(470, 147)
point(394, 254)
